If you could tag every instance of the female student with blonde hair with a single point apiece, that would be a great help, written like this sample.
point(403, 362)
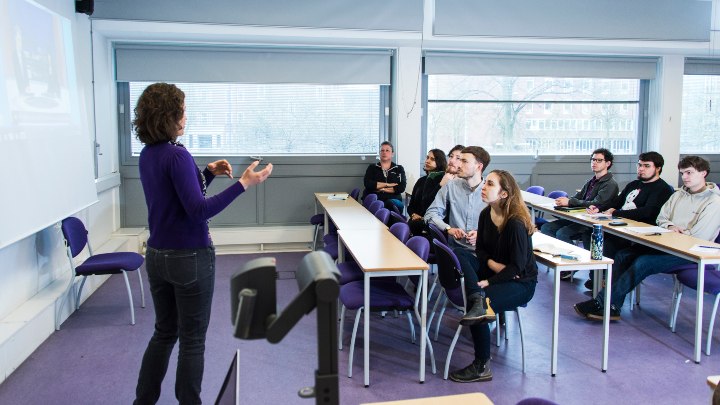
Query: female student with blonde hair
point(504, 270)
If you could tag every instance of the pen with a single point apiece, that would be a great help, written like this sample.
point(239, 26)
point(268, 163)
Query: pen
point(654, 234)
point(709, 247)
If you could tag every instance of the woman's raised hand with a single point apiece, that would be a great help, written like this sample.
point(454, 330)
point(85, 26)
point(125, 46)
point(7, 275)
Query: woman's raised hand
point(250, 177)
point(219, 167)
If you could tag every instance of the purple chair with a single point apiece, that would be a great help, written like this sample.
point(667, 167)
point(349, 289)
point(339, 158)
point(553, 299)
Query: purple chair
point(369, 199)
point(76, 238)
point(383, 214)
point(686, 275)
point(539, 220)
point(375, 206)
point(397, 218)
point(539, 190)
point(452, 281)
point(401, 230)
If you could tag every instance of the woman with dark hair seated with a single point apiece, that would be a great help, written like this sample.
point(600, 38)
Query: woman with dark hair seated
point(504, 270)
point(386, 179)
point(422, 196)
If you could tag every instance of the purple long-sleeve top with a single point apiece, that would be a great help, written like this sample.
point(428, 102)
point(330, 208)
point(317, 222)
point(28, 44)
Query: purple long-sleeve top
point(178, 210)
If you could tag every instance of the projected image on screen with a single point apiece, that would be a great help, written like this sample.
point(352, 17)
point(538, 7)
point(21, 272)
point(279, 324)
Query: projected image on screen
point(46, 150)
point(34, 56)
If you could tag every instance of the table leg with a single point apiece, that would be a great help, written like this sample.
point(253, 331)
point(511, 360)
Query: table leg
point(606, 317)
point(366, 330)
point(423, 324)
point(556, 320)
point(699, 310)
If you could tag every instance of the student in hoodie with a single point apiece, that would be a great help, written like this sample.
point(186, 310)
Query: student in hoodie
point(422, 197)
point(693, 210)
point(386, 179)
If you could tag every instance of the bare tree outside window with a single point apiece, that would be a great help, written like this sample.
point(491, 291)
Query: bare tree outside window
point(569, 116)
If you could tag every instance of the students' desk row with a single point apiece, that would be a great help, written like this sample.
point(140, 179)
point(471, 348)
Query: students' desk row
point(379, 254)
point(557, 264)
point(672, 243)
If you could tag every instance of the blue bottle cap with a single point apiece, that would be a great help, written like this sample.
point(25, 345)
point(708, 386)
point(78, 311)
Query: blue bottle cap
point(597, 226)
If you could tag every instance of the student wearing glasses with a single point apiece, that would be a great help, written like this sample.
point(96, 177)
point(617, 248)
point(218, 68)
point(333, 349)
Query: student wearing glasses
point(599, 191)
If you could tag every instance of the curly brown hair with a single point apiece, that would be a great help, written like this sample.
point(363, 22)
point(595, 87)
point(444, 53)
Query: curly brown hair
point(158, 113)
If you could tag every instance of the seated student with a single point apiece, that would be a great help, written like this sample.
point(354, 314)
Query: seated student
point(436, 180)
point(693, 210)
point(435, 162)
point(599, 191)
point(503, 271)
point(463, 195)
point(640, 201)
point(386, 179)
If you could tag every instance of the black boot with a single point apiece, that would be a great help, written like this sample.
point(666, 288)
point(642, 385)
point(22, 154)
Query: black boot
point(479, 312)
point(478, 370)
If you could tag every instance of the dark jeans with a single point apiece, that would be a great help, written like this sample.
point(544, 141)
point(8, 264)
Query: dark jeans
point(611, 246)
point(182, 284)
point(564, 230)
point(503, 297)
point(633, 265)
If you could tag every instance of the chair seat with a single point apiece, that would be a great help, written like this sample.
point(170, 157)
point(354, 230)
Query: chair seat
point(384, 296)
point(688, 277)
point(110, 263)
point(317, 219)
point(349, 272)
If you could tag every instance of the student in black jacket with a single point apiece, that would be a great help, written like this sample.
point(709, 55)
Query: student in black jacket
point(423, 196)
point(504, 270)
point(386, 179)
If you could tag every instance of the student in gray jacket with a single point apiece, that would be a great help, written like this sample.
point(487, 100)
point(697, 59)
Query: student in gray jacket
point(599, 191)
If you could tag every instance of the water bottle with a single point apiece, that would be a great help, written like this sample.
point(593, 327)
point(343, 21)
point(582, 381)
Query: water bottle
point(596, 242)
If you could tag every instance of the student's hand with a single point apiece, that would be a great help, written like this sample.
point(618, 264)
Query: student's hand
point(609, 211)
point(676, 229)
point(495, 266)
point(250, 177)
point(562, 201)
point(483, 283)
point(592, 209)
point(471, 237)
point(456, 233)
point(415, 217)
point(219, 167)
point(446, 178)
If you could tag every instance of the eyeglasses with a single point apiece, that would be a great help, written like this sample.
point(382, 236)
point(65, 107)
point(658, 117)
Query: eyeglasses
point(597, 160)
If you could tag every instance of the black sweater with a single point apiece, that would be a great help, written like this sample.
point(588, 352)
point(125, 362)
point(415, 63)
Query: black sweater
point(423, 193)
point(647, 197)
point(511, 247)
point(375, 174)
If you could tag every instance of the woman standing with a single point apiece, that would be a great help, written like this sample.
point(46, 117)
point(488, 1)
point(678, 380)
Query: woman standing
point(503, 271)
point(422, 197)
point(385, 178)
point(180, 258)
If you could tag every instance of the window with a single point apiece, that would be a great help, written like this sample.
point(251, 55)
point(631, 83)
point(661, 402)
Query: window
point(573, 116)
point(700, 126)
point(233, 119)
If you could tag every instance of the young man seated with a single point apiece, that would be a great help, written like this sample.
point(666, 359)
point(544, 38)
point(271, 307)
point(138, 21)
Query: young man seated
point(693, 210)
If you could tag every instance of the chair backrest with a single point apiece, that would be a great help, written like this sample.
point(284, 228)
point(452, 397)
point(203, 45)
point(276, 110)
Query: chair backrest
point(397, 218)
point(75, 234)
point(394, 208)
point(369, 199)
point(436, 233)
point(449, 270)
point(420, 246)
point(383, 214)
point(557, 194)
point(401, 230)
point(539, 190)
point(375, 206)
point(355, 193)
